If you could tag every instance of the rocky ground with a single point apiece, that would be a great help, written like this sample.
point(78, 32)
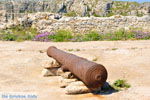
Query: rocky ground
point(21, 66)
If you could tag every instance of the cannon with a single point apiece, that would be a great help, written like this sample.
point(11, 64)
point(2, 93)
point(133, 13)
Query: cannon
point(93, 75)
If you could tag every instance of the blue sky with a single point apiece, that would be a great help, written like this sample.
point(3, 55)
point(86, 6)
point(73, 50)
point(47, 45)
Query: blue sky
point(135, 0)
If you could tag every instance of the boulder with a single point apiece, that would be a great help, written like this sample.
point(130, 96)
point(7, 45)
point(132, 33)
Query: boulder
point(50, 63)
point(57, 16)
point(49, 72)
point(60, 72)
point(67, 75)
point(76, 88)
point(65, 82)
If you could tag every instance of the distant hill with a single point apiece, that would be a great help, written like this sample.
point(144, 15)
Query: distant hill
point(96, 8)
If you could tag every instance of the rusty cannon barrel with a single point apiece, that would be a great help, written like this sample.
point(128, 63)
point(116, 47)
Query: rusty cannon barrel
point(92, 74)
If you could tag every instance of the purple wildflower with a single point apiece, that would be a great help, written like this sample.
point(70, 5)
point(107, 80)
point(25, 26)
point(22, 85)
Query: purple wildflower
point(43, 36)
point(141, 35)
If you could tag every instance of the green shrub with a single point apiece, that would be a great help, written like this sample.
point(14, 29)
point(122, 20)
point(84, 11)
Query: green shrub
point(92, 36)
point(114, 48)
point(77, 38)
point(61, 36)
point(96, 15)
point(20, 30)
point(8, 37)
point(120, 84)
point(130, 35)
point(78, 50)
point(139, 15)
point(18, 33)
point(24, 37)
point(119, 35)
point(70, 49)
point(71, 14)
point(110, 14)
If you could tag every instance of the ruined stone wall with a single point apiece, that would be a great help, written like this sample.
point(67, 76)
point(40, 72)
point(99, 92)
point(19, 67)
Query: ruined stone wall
point(46, 22)
point(100, 24)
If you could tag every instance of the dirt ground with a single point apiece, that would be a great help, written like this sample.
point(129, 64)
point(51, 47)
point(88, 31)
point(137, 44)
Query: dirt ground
point(20, 68)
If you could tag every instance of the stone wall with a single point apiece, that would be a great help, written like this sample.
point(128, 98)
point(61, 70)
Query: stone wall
point(100, 24)
point(46, 22)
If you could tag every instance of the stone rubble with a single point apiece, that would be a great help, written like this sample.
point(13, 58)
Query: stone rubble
point(67, 80)
point(51, 63)
point(51, 67)
point(49, 72)
point(77, 87)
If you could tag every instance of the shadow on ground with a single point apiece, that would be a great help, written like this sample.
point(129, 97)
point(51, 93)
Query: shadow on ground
point(107, 89)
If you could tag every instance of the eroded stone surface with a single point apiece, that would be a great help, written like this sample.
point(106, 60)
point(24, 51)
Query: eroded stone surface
point(76, 88)
point(65, 82)
point(60, 72)
point(50, 63)
point(67, 75)
point(49, 72)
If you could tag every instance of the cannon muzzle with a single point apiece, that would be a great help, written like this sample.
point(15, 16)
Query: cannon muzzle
point(92, 74)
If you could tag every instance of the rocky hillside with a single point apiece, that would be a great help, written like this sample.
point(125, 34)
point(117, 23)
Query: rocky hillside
point(77, 7)
point(96, 8)
point(129, 8)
